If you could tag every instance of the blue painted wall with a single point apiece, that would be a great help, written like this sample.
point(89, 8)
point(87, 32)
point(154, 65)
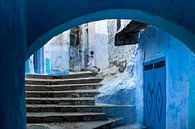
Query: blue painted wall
point(191, 111)
point(155, 43)
point(12, 64)
point(175, 16)
point(27, 66)
point(48, 65)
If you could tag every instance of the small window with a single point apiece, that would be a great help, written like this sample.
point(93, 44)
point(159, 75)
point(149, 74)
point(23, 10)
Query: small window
point(159, 64)
point(118, 24)
point(148, 67)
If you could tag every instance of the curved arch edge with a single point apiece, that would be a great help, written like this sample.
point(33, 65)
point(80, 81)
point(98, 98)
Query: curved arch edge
point(176, 30)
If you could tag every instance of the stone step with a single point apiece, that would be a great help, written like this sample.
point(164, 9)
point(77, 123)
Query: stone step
point(72, 75)
point(74, 93)
point(62, 101)
point(64, 117)
point(63, 81)
point(63, 108)
point(77, 108)
point(30, 87)
point(128, 112)
point(113, 123)
point(75, 125)
point(131, 126)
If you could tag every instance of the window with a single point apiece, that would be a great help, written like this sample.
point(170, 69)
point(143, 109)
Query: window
point(118, 24)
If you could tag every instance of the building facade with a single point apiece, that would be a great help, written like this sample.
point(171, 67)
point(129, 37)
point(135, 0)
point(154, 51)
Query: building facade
point(70, 50)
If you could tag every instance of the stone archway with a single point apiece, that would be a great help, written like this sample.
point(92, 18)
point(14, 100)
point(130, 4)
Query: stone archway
point(175, 29)
point(45, 19)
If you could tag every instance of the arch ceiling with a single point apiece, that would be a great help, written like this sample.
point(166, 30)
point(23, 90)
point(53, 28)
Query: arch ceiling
point(47, 18)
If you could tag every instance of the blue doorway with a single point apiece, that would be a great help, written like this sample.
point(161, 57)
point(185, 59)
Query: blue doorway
point(155, 94)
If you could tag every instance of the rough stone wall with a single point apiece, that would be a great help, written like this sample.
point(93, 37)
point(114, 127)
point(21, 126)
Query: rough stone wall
point(74, 49)
point(119, 84)
point(84, 44)
point(119, 88)
point(118, 55)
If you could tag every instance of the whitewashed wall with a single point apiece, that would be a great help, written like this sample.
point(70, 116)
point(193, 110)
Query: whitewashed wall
point(57, 53)
point(101, 44)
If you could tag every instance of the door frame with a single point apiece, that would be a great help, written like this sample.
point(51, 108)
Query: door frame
point(152, 67)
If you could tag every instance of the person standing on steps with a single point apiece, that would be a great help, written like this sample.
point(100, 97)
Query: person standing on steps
point(91, 64)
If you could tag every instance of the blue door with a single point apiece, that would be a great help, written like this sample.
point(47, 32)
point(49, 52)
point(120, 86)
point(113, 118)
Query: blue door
point(160, 94)
point(155, 94)
point(149, 96)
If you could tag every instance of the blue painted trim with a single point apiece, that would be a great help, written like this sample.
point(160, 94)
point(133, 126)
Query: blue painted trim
point(48, 65)
point(39, 61)
point(27, 66)
point(42, 69)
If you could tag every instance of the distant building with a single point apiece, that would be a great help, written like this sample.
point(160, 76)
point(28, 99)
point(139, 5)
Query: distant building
point(69, 51)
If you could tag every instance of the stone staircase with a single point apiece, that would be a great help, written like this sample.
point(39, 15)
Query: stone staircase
point(70, 98)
